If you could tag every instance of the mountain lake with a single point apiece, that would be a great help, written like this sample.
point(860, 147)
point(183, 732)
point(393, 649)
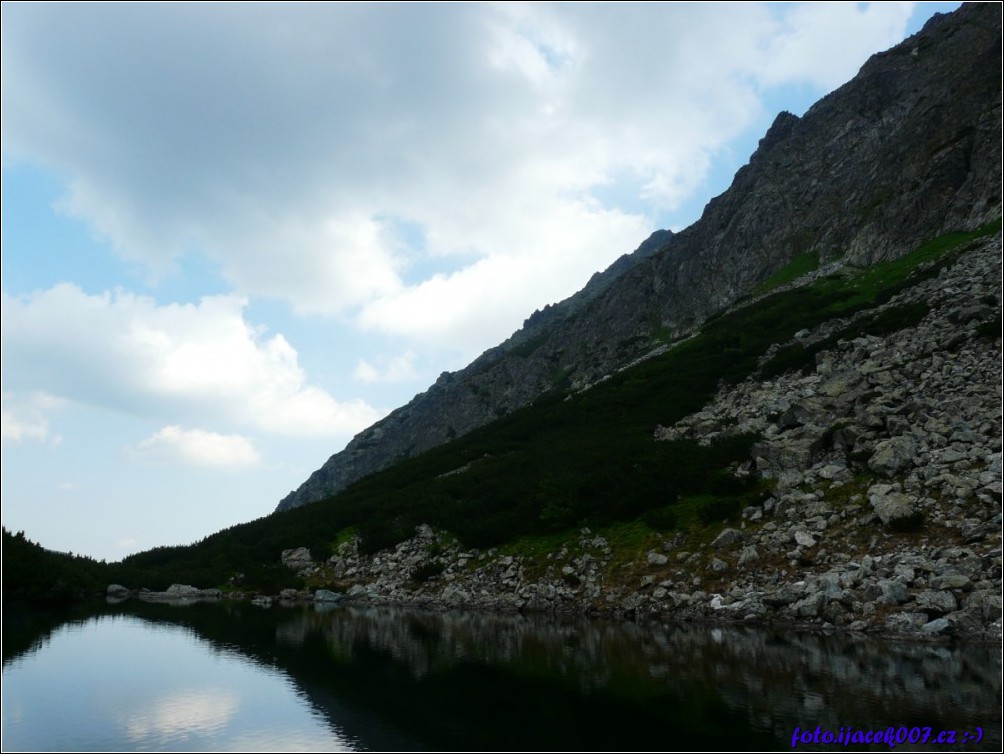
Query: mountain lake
point(232, 676)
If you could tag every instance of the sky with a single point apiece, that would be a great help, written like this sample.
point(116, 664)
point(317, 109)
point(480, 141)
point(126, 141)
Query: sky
point(235, 235)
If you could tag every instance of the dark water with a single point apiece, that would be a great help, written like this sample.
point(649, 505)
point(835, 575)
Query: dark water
point(238, 677)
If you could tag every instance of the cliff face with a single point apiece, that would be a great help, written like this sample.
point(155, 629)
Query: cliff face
point(907, 150)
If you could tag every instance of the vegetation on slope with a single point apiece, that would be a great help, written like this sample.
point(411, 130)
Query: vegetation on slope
point(30, 572)
point(567, 460)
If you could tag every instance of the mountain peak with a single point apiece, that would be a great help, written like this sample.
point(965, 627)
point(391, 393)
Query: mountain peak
point(907, 150)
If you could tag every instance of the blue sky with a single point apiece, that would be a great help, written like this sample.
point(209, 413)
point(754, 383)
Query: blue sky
point(236, 235)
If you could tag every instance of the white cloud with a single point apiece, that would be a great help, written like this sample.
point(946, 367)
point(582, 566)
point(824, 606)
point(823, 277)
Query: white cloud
point(18, 428)
point(22, 417)
point(197, 447)
point(198, 362)
point(482, 303)
point(182, 711)
point(281, 141)
point(825, 43)
point(394, 369)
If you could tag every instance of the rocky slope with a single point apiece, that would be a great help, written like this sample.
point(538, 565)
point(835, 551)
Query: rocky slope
point(886, 510)
point(908, 149)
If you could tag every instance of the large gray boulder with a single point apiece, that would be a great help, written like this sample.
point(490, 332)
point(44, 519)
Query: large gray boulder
point(727, 538)
point(933, 601)
point(182, 590)
point(893, 456)
point(297, 559)
point(891, 505)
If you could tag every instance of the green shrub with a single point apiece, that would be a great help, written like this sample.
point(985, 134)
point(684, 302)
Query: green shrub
point(719, 509)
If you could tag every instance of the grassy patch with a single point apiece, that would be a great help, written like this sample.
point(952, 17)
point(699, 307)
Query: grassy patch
point(630, 540)
point(346, 535)
point(803, 264)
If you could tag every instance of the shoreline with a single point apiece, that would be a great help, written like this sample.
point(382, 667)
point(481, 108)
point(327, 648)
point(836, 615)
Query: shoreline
point(304, 598)
point(585, 577)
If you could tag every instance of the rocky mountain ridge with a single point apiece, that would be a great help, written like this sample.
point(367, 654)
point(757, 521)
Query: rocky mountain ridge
point(885, 515)
point(909, 149)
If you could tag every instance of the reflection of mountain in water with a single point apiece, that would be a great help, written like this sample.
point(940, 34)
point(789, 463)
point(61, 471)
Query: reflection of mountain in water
point(401, 679)
point(28, 630)
point(778, 680)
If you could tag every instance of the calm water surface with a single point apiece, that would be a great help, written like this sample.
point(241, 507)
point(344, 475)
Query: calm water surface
point(221, 677)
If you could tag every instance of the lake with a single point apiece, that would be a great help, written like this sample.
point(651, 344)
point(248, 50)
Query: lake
point(233, 676)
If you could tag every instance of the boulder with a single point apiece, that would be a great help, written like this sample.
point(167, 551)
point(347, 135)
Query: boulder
point(893, 456)
point(717, 565)
point(326, 595)
point(727, 538)
point(117, 591)
point(656, 559)
point(988, 602)
point(297, 558)
point(888, 592)
point(890, 504)
point(784, 596)
point(936, 626)
point(182, 590)
point(810, 606)
point(804, 539)
point(747, 556)
point(951, 580)
point(936, 602)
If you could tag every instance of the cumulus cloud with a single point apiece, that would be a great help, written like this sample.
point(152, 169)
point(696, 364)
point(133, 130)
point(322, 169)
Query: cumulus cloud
point(17, 428)
point(483, 302)
point(197, 361)
point(852, 31)
point(393, 369)
point(197, 447)
point(182, 711)
point(288, 143)
point(22, 418)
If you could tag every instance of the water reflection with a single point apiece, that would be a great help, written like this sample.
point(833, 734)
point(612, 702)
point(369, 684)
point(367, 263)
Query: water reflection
point(776, 680)
point(181, 711)
point(118, 682)
point(235, 677)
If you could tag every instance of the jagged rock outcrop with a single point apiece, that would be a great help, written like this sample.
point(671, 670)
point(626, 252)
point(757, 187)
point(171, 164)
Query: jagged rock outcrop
point(907, 150)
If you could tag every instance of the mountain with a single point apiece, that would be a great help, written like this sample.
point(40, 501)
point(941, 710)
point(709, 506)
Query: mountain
point(906, 151)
